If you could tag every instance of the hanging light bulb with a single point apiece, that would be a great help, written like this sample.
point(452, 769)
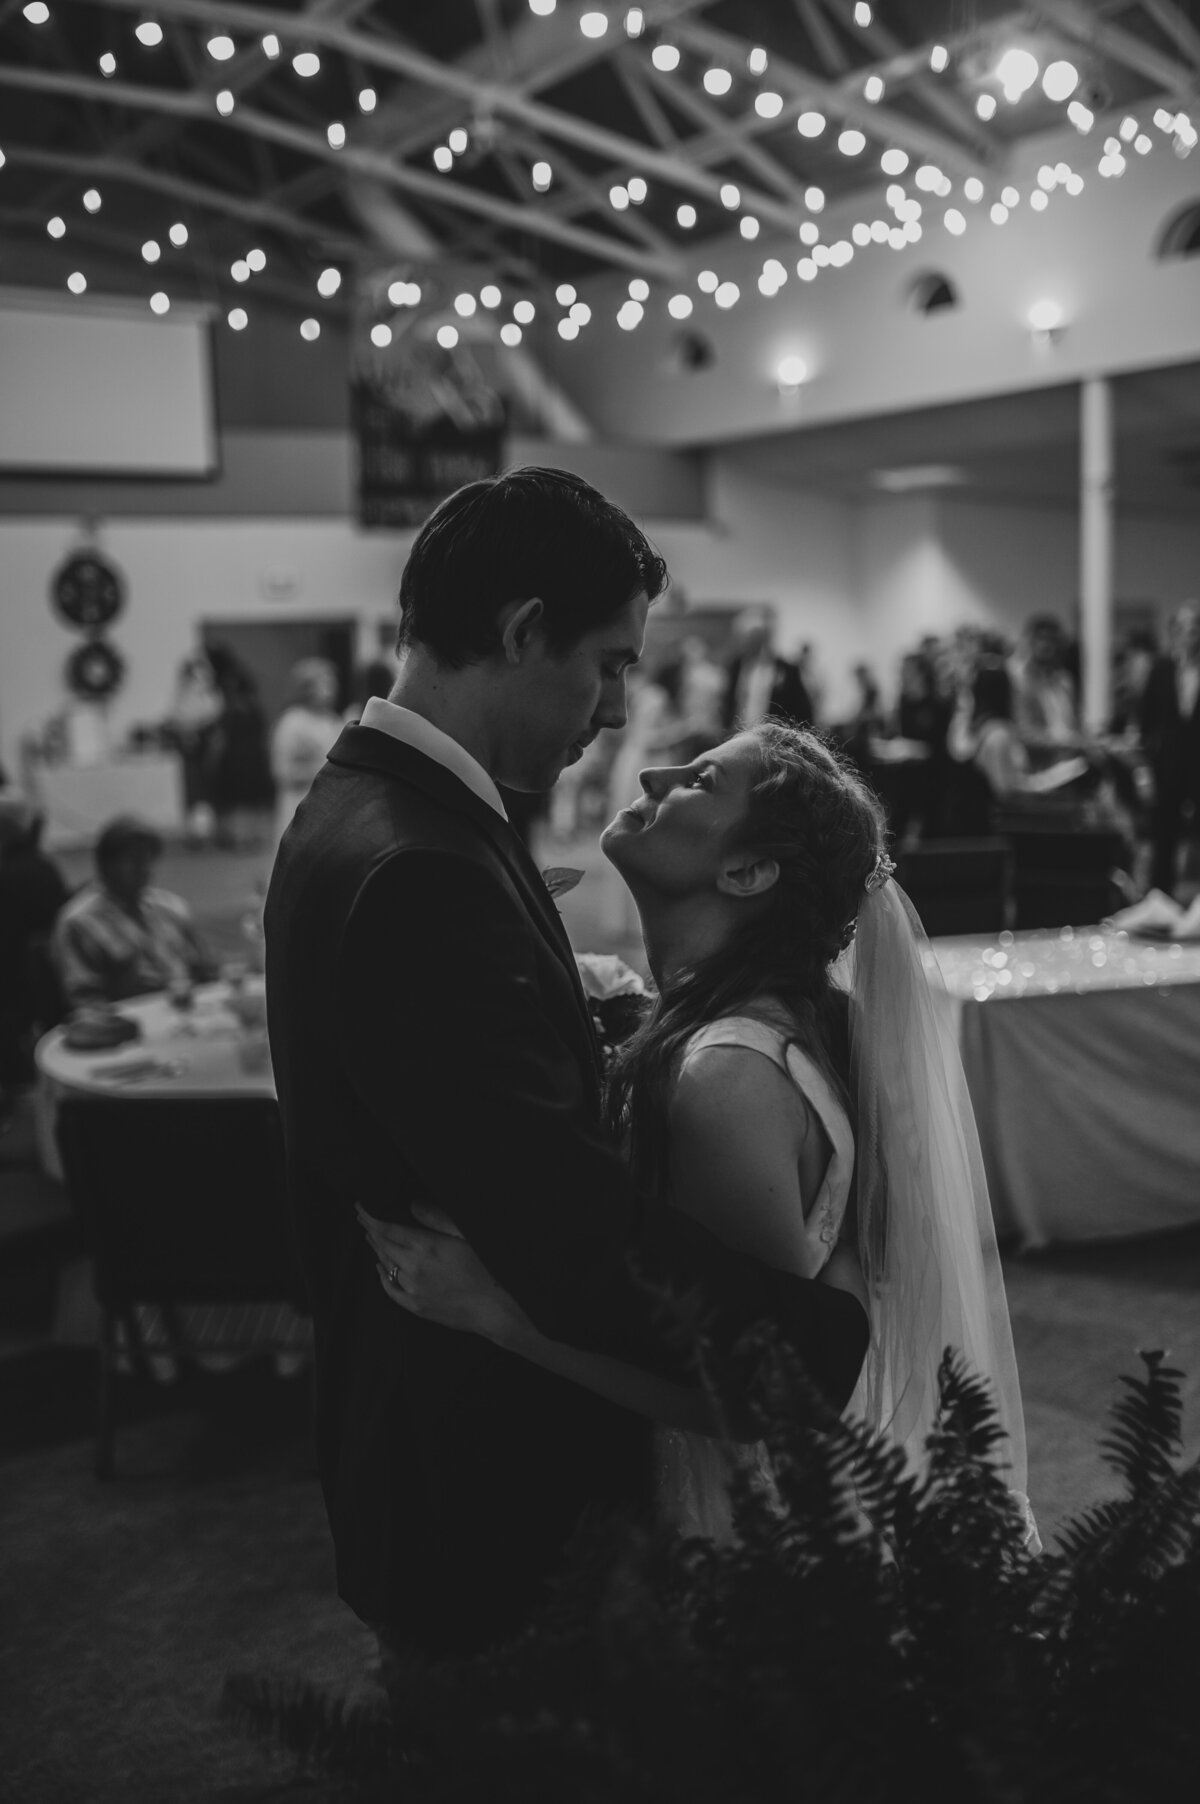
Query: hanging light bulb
point(894, 162)
point(270, 46)
point(731, 195)
point(541, 175)
point(490, 295)
point(756, 62)
point(727, 295)
point(447, 337)
point(680, 306)
point(790, 373)
point(240, 271)
point(618, 196)
point(91, 200)
point(939, 56)
point(707, 281)
point(37, 12)
point(810, 124)
point(973, 188)
point(151, 251)
point(464, 305)
point(76, 281)
point(458, 141)
point(1060, 80)
point(998, 213)
point(637, 189)
point(225, 102)
point(809, 233)
point(806, 269)
point(329, 281)
point(768, 104)
point(178, 235)
point(568, 329)
point(954, 222)
point(639, 289)
point(367, 98)
point(814, 199)
point(581, 313)
point(256, 261)
point(985, 106)
point(717, 81)
point(593, 25)
point(862, 14)
point(665, 58)
point(1081, 117)
point(510, 334)
point(873, 89)
point(542, 8)
point(220, 47)
point(851, 142)
point(310, 329)
point(1016, 72)
point(748, 227)
point(108, 63)
point(336, 134)
point(565, 294)
point(148, 32)
point(524, 313)
point(306, 63)
point(238, 319)
point(443, 159)
point(160, 302)
point(381, 335)
point(685, 216)
point(630, 315)
point(635, 22)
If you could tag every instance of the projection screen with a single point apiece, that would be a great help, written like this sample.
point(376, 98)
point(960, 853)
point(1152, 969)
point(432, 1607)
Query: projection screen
point(102, 387)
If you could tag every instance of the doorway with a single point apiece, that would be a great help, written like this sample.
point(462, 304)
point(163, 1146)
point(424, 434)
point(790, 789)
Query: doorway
point(271, 648)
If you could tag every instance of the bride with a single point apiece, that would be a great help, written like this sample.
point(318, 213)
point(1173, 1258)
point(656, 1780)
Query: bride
point(797, 1089)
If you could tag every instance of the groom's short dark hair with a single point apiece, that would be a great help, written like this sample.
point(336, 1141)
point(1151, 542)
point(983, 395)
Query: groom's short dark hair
point(508, 538)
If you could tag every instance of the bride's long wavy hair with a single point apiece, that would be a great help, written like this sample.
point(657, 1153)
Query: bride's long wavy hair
point(812, 813)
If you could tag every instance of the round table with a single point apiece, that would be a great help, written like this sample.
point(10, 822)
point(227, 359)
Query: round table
point(206, 1052)
point(201, 1054)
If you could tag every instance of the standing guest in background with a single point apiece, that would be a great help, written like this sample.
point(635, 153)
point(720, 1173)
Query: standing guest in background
point(923, 718)
point(866, 723)
point(1169, 715)
point(761, 685)
point(303, 735)
point(1134, 660)
point(32, 890)
point(240, 781)
point(650, 732)
point(1045, 694)
point(700, 697)
point(118, 937)
point(195, 710)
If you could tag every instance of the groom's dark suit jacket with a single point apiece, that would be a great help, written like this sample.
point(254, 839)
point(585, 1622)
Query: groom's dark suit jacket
point(431, 1040)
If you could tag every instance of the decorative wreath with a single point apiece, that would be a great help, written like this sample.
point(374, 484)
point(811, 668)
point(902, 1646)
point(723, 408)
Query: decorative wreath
point(95, 671)
point(87, 591)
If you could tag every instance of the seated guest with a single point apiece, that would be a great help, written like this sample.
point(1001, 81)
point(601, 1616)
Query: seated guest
point(119, 937)
point(32, 890)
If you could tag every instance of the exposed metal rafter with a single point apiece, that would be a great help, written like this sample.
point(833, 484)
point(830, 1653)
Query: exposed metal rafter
point(536, 221)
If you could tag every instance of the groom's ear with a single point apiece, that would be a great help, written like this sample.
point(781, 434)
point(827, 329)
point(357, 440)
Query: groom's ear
point(519, 622)
point(746, 874)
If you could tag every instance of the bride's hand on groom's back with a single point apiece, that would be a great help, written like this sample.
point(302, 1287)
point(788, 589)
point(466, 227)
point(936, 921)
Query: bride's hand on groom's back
point(431, 1272)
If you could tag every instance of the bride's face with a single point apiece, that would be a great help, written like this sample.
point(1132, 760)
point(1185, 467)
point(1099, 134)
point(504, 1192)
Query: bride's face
point(678, 836)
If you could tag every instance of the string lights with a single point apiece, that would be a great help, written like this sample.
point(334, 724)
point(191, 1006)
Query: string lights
point(1015, 73)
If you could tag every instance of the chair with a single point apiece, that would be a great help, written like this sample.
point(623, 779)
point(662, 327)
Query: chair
point(179, 1202)
point(1062, 876)
point(959, 885)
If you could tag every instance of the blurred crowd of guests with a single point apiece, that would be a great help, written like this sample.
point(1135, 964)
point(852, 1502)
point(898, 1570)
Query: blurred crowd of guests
point(243, 775)
point(984, 735)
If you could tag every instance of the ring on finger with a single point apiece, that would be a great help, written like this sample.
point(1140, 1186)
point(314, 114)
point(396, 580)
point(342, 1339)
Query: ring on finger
point(393, 1274)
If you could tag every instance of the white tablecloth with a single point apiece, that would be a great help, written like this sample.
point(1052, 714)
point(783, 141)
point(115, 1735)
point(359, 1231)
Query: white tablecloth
point(1082, 1052)
point(205, 1053)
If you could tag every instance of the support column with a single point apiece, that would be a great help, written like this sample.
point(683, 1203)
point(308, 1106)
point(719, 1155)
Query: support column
point(1096, 538)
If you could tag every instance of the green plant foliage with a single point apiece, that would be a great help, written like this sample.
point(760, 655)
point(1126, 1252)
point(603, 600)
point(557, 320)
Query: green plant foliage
point(871, 1634)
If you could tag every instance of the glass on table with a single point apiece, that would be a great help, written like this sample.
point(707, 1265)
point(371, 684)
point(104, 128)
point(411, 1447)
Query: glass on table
point(181, 994)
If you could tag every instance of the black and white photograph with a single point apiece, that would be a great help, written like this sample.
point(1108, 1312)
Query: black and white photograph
point(599, 901)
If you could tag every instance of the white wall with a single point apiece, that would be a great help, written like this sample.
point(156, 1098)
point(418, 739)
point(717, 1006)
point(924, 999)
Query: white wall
point(861, 582)
point(867, 352)
point(178, 572)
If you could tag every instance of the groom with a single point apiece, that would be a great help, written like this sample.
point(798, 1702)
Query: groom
point(431, 1041)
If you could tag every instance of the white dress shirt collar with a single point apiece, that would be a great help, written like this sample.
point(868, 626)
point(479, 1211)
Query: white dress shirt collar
point(421, 734)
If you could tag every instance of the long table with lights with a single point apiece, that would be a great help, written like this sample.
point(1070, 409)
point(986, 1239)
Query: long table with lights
point(1082, 1053)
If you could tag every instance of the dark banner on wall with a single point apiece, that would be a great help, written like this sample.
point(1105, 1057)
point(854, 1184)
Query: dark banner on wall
point(424, 425)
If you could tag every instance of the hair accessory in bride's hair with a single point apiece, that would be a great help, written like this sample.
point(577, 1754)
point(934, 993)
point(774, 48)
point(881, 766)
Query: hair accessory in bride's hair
point(884, 869)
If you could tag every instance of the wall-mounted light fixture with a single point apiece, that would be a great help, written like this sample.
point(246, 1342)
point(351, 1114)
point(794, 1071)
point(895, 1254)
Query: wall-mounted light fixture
point(1046, 321)
point(790, 373)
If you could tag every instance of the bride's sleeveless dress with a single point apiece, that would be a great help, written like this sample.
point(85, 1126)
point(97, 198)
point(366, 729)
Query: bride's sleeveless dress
point(694, 1471)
